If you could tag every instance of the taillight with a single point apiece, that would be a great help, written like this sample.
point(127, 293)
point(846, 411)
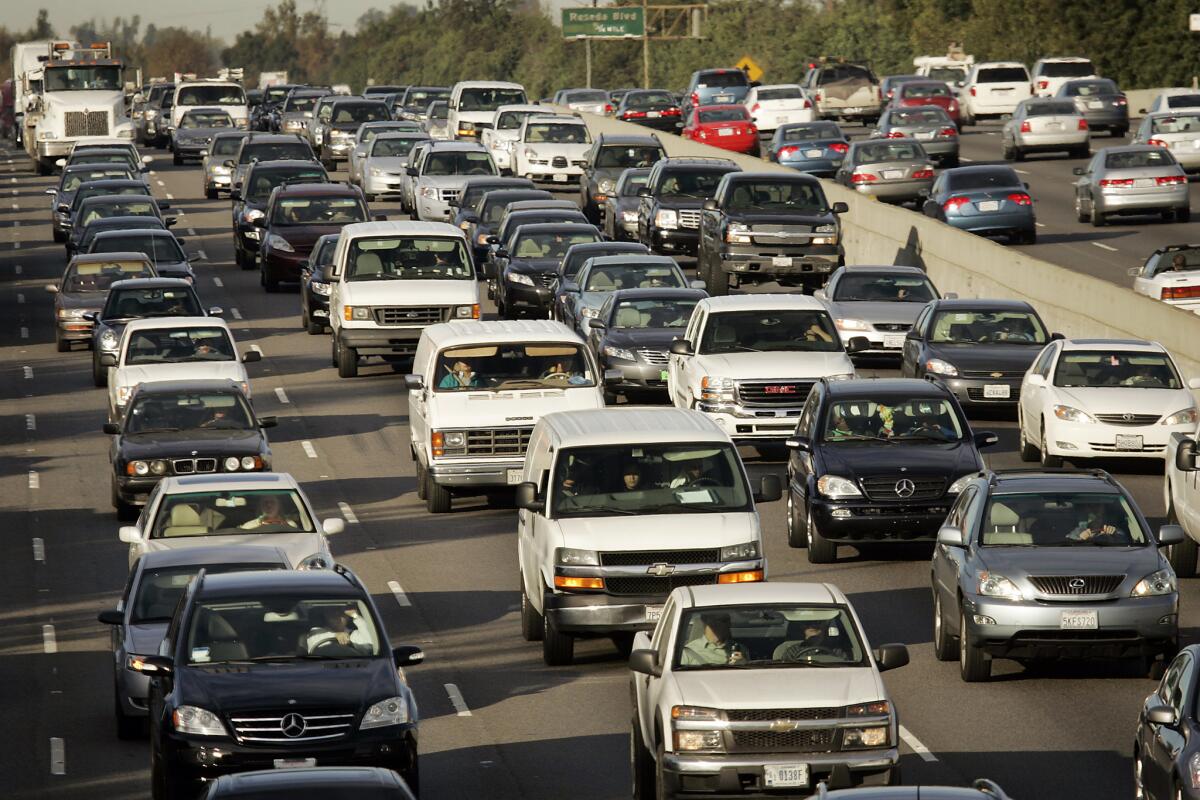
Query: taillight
point(608, 108)
point(1043, 84)
point(1083, 126)
point(671, 112)
point(787, 150)
point(1025, 127)
point(1180, 292)
point(922, 174)
point(895, 135)
point(817, 97)
point(889, 94)
point(863, 177)
point(1121, 101)
point(695, 99)
point(1156, 143)
point(1116, 183)
point(1171, 180)
point(948, 132)
point(752, 129)
point(839, 147)
point(807, 104)
point(1020, 198)
point(634, 115)
point(972, 91)
point(954, 203)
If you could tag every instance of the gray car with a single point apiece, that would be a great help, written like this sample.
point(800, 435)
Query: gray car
point(70, 181)
point(382, 171)
point(930, 125)
point(879, 303)
point(197, 126)
point(894, 170)
point(437, 120)
point(1045, 126)
point(1102, 104)
point(216, 176)
point(1039, 565)
point(1135, 179)
point(981, 789)
point(362, 143)
point(621, 205)
point(1177, 131)
point(162, 247)
point(600, 276)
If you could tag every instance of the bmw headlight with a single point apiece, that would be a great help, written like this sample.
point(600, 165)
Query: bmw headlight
point(960, 484)
point(1072, 414)
point(993, 585)
point(666, 218)
point(740, 552)
point(277, 242)
point(1185, 417)
point(231, 464)
point(320, 287)
point(197, 721)
point(619, 353)
point(836, 487)
point(1159, 583)
point(392, 711)
point(737, 233)
point(517, 277)
point(939, 367)
point(316, 561)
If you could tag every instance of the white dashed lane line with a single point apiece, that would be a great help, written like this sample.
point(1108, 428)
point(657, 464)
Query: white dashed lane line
point(218, 282)
point(398, 593)
point(203, 256)
point(236, 314)
point(34, 481)
point(28, 373)
point(30, 422)
point(1040, 224)
point(39, 549)
point(915, 744)
point(456, 700)
point(309, 450)
point(58, 756)
point(191, 231)
point(281, 394)
point(347, 512)
point(49, 640)
point(1104, 247)
point(160, 183)
point(24, 332)
point(20, 298)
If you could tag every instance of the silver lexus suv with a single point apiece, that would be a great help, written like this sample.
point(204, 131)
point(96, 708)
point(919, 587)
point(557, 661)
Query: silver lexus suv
point(1051, 564)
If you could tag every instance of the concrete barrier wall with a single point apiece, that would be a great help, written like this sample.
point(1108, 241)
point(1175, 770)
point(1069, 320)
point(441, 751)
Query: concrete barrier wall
point(1070, 302)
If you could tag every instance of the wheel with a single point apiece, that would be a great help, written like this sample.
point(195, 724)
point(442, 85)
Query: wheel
point(950, 163)
point(437, 496)
point(1183, 214)
point(245, 259)
point(558, 649)
point(1080, 214)
point(99, 374)
point(1048, 461)
point(718, 281)
point(42, 167)
point(973, 663)
point(1096, 217)
point(420, 481)
point(820, 549)
point(1028, 452)
point(268, 283)
point(945, 647)
point(59, 236)
point(61, 344)
point(533, 625)
point(1118, 132)
point(1018, 153)
point(210, 193)
point(165, 787)
point(641, 766)
point(313, 327)
point(795, 534)
point(624, 644)
point(1007, 152)
point(1182, 556)
point(176, 160)
point(125, 511)
point(333, 351)
point(347, 362)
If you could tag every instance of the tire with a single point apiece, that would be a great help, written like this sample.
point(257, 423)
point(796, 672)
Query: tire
point(313, 327)
point(333, 351)
point(1048, 461)
point(420, 481)
point(61, 344)
point(59, 236)
point(795, 535)
point(125, 511)
point(1182, 556)
point(99, 374)
point(127, 727)
point(176, 160)
point(1028, 453)
point(247, 260)
point(271, 285)
point(1118, 132)
point(1018, 153)
point(1080, 214)
point(1082, 152)
point(437, 497)
point(973, 664)
point(820, 549)
point(1183, 214)
point(558, 649)
point(1096, 217)
point(210, 193)
point(641, 765)
point(533, 624)
point(950, 163)
point(1007, 152)
point(718, 285)
point(945, 646)
point(1139, 790)
point(347, 362)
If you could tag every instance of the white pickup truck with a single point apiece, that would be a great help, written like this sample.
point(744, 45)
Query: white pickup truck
point(1181, 496)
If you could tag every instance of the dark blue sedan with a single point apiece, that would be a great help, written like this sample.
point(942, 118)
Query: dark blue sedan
point(813, 147)
point(990, 201)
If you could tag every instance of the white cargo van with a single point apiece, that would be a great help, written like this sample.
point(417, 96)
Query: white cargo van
point(619, 506)
point(229, 96)
point(473, 104)
point(476, 391)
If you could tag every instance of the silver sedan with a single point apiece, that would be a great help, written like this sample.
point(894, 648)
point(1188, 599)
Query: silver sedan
point(1135, 179)
point(895, 170)
point(1040, 126)
point(879, 303)
point(1177, 131)
point(930, 125)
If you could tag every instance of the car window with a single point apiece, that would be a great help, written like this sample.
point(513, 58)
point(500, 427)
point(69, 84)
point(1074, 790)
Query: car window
point(711, 115)
point(817, 130)
point(631, 182)
point(1090, 88)
point(359, 112)
point(1138, 159)
point(99, 276)
point(662, 632)
point(845, 73)
point(151, 302)
point(778, 195)
point(276, 628)
point(915, 420)
point(72, 180)
point(781, 93)
point(156, 248)
point(921, 116)
point(1061, 519)
point(753, 636)
point(549, 245)
point(1042, 365)
point(205, 119)
point(624, 156)
point(643, 100)
point(556, 133)
point(487, 99)
point(1002, 75)
point(1052, 109)
point(218, 95)
point(652, 313)
point(699, 184)
point(275, 151)
point(393, 147)
point(915, 90)
point(262, 182)
point(761, 331)
point(160, 590)
point(408, 258)
point(229, 512)
point(808, 415)
point(1067, 69)
point(878, 152)
point(318, 211)
point(1176, 123)
point(877, 288)
point(187, 411)
point(721, 79)
point(504, 367)
point(226, 145)
point(1003, 327)
point(178, 345)
point(458, 163)
point(976, 179)
point(608, 278)
point(1129, 369)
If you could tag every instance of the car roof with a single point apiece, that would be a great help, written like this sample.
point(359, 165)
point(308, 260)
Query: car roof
point(911, 793)
point(1136, 345)
point(550, 116)
point(190, 385)
point(698, 162)
point(453, 334)
point(115, 183)
point(105, 150)
point(551, 227)
point(762, 302)
point(401, 228)
point(890, 269)
point(504, 194)
point(214, 554)
point(442, 146)
point(155, 323)
point(623, 259)
point(758, 593)
point(100, 258)
point(873, 387)
point(981, 304)
point(114, 199)
point(309, 778)
point(626, 139)
point(607, 247)
point(1036, 480)
point(315, 189)
point(1132, 148)
point(150, 283)
point(255, 137)
point(794, 177)
point(152, 222)
point(421, 135)
point(669, 292)
point(993, 64)
point(311, 582)
point(487, 85)
point(613, 425)
point(230, 482)
point(977, 168)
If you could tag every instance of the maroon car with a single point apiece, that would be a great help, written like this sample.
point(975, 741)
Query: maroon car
point(298, 215)
point(927, 93)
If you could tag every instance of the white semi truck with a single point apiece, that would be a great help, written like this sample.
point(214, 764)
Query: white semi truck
point(27, 79)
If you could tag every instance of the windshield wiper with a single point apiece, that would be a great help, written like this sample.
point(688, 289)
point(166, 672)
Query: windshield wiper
point(859, 437)
point(156, 430)
point(927, 437)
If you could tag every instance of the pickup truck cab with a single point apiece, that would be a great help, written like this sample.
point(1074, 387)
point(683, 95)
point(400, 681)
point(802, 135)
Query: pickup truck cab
point(767, 226)
point(844, 92)
point(477, 390)
point(669, 209)
point(749, 362)
point(390, 281)
point(619, 506)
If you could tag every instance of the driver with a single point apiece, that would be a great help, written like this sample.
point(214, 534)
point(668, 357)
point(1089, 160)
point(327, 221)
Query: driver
point(693, 472)
point(215, 417)
point(817, 638)
point(270, 515)
point(460, 376)
point(1096, 526)
point(715, 645)
point(1142, 375)
point(631, 477)
point(562, 371)
point(816, 333)
point(339, 627)
point(1010, 329)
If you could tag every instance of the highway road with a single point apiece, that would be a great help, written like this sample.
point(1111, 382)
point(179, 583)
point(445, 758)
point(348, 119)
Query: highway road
point(514, 728)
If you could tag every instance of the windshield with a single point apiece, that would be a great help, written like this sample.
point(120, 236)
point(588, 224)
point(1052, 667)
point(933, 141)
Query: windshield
point(949, 74)
point(1002, 75)
point(1138, 159)
point(1061, 519)
point(504, 367)
point(652, 312)
point(72, 180)
point(137, 303)
point(738, 114)
point(982, 179)
point(1067, 69)
point(393, 147)
point(725, 77)
point(217, 95)
point(156, 248)
point(318, 211)
point(367, 134)
point(360, 112)
point(631, 182)
point(781, 93)
point(1176, 123)
point(883, 288)
point(232, 511)
point(439, 111)
point(205, 119)
point(818, 130)
point(459, 163)
point(175, 346)
point(282, 629)
point(992, 327)
point(666, 478)
point(278, 151)
point(878, 152)
point(301, 102)
point(1130, 369)
point(266, 180)
point(494, 205)
point(419, 98)
point(217, 411)
point(97, 277)
point(84, 192)
point(641, 100)
point(609, 278)
point(159, 590)
point(1050, 109)
point(921, 116)
point(626, 157)
point(845, 73)
point(798, 197)
point(483, 99)
point(408, 258)
point(920, 419)
point(1090, 88)
point(699, 185)
point(762, 331)
point(549, 245)
point(925, 89)
point(226, 145)
point(65, 79)
point(273, 94)
point(101, 158)
point(557, 133)
point(511, 120)
point(757, 637)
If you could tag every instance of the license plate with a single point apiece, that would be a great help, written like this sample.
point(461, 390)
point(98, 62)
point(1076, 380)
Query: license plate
point(813, 153)
point(785, 776)
point(294, 763)
point(512, 476)
point(988, 205)
point(781, 119)
point(853, 110)
point(1079, 621)
point(1128, 441)
point(560, 177)
point(1095, 104)
point(893, 174)
point(893, 341)
point(653, 613)
point(997, 391)
point(781, 261)
point(723, 98)
point(924, 134)
point(1054, 126)
point(1143, 182)
point(725, 131)
point(653, 114)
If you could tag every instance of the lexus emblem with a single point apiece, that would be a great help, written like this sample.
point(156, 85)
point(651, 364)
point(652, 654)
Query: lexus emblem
point(292, 725)
point(905, 488)
point(1076, 583)
point(660, 570)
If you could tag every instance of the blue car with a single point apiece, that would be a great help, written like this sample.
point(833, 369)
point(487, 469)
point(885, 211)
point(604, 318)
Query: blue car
point(990, 201)
point(813, 147)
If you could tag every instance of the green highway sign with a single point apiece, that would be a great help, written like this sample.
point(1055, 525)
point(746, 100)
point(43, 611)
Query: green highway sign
point(603, 23)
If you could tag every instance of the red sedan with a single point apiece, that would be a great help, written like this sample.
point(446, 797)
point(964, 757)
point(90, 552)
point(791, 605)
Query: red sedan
point(927, 93)
point(727, 127)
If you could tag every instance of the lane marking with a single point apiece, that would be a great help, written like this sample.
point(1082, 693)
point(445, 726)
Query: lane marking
point(309, 450)
point(202, 255)
point(1040, 224)
point(24, 332)
point(169, 196)
point(34, 481)
point(49, 641)
point(17, 269)
point(218, 281)
point(236, 314)
point(16, 222)
point(964, 158)
point(281, 394)
point(347, 512)
point(398, 593)
point(1021, 171)
point(456, 700)
point(1104, 247)
point(160, 183)
point(28, 372)
point(191, 231)
point(16, 245)
point(20, 297)
point(915, 744)
point(30, 422)
point(58, 756)
point(39, 549)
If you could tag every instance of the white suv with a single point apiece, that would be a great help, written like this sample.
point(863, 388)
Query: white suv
point(758, 689)
point(1051, 73)
point(551, 149)
point(501, 138)
point(993, 89)
point(440, 174)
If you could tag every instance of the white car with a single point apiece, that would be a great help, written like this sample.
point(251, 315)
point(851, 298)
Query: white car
point(551, 149)
point(993, 89)
point(1179, 97)
point(264, 508)
point(1051, 73)
point(761, 689)
point(778, 104)
point(172, 349)
point(407, 179)
point(439, 176)
point(748, 362)
point(473, 103)
point(505, 131)
point(229, 96)
point(1102, 398)
point(1160, 279)
point(1177, 131)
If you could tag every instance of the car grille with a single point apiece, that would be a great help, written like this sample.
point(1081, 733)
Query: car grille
point(1090, 584)
point(188, 466)
point(559, 162)
point(772, 714)
point(498, 441)
point(885, 488)
point(779, 234)
point(1128, 419)
point(268, 727)
point(975, 395)
point(991, 373)
point(772, 394)
point(689, 218)
point(892, 327)
point(802, 741)
point(648, 557)
point(449, 194)
point(1109, 447)
point(657, 357)
point(415, 315)
point(86, 123)
point(651, 584)
point(547, 279)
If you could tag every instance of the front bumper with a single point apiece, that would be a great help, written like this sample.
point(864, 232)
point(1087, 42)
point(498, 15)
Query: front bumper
point(535, 298)
point(133, 690)
point(337, 150)
point(567, 176)
point(283, 266)
point(675, 240)
point(478, 473)
point(736, 775)
point(189, 150)
point(974, 391)
point(752, 424)
point(380, 341)
point(1137, 202)
point(814, 262)
point(864, 520)
point(1098, 440)
point(638, 375)
point(431, 210)
point(219, 180)
point(54, 148)
point(883, 343)
point(75, 330)
point(135, 490)
point(248, 237)
point(382, 185)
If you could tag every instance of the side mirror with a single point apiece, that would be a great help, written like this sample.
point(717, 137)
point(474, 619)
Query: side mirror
point(1035, 379)
point(596, 324)
point(950, 296)
point(500, 252)
point(452, 202)
point(51, 191)
point(147, 160)
point(612, 376)
point(951, 536)
point(799, 443)
point(379, 217)
point(645, 662)
point(890, 656)
point(1194, 383)
point(229, 163)
point(170, 221)
point(1141, 111)
point(1171, 535)
point(333, 526)
point(858, 344)
point(711, 205)
point(840, 207)
point(111, 616)
point(408, 655)
point(985, 439)
point(1185, 456)
point(51, 288)
point(527, 498)
point(216, 311)
point(163, 205)
point(769, 489)
point(1162, 715)
point(112, 428)
point(108, 359)
point(644, 191)
point(129, 534)
point(250, 356)
point(410, 171)
point(1078, 171)
point(493, 240)
point(698, 284)
point(1056, 337)
point(682, 347)
point(414, 383)
point(90, 316)
point(157, 665)
point(268, 422)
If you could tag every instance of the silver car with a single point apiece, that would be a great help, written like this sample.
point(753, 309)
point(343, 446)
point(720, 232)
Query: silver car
point(1035, 565)
point(383, 169)
point(436, 120)
point(1041, 126)
point(440, 175)
point(930, 125)
point(216, 176)
point(879, 303)
point(1135, 179)
point(1177, 131)
point(362, 143)
point(895, 170)
point(621, 205)
point(1102, 104)
point(407, 181)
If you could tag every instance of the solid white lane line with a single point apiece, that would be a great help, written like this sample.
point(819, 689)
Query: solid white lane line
point(398, 593)
point(58, 756)
point(1105, 247)
point(24, 332)
point(39, 549)
point(218, 282)
point(49, 641)
point(236, 314)
point(915, 744)
point(347, 512)
point(309, 450)
point(17, 268)
point(34, 481)
point(456, 700)
point(30, 422)
point(281, 394)
point(28, 373)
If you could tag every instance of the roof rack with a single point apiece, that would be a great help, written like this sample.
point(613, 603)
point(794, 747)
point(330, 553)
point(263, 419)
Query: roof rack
point(1094, 472)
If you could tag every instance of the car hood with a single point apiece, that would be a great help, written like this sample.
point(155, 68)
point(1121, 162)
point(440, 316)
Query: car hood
point(463, 292)
point(145, 637)
point(303, 237)
point(779, 687)
point(642, 338)
point(1121, 399)
point(987, 357)
point(444, 181)
point(92, 301)
point(517, 408)
point(396, 164)
point(190, 134)
point(660, 531)
point(534, 264)
point(876, 311)
point(776, 365)
point(297, 546)
point(914, 459)
point(215, 443)
point(191, 370)
point(1017, 562)
point(343, 684)
point(776, 217)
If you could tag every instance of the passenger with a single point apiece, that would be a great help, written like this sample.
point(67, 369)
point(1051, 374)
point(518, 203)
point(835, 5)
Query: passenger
point(461, 376)
point(840, 428)
point(270, 515)
point(339, 628)
point(631, 477)
point(715, 645)
point(1179, 263)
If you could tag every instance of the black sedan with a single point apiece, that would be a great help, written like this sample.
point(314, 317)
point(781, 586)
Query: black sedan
point(183, 428)
point(1166, 749)
point(633, 331)
point(315, 285)
point(877, 460)
point(651, 108)
point(980, 349)
point(524, 269)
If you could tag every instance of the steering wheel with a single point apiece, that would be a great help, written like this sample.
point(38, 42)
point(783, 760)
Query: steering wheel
point(556, 377)
point(703, 481)
point(801, 651)
point(334, 647)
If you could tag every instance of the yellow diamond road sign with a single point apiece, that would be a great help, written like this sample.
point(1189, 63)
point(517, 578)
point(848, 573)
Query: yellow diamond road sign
point(753, 71)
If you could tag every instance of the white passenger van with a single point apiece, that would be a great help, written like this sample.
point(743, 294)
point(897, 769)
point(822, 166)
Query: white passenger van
point(473, 105)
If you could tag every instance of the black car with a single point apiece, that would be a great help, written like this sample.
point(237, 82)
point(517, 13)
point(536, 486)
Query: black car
point(295, 217)
point(651, 108)
point(526, 266)
point(767, 226)
point(162, 247)
point(315, 285)
point(341, 125)
point(573, 260)
point(632, 332)
point(278, 669)
point(1166, 749)
point(669, 209)
point(466, 215)
point(607, 158)
point(251, 197)
point(489, 210)
point(72, 178)
point(417, 98)
point(514, 219)
point(183, 428)
point(876, 460)
point(102, 193)
point(980, 349)
point(361, 783)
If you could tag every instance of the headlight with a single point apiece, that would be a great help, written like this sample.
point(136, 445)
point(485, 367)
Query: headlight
point(619, 352)
point(939, 367)
point(571, 557)
point(251, 462)
point(71, 313)
point(737, 233)
point(715, 388)
point(1161, 582)
point(123, 393)
point(517, 277)
point(739, 552)
point(606, 186)
point(245, 388)
point(481, 239)
point(315, 561)
point(357, 313)
point(836, 487)
point(231, 464)
point(960, 484)
point(666, 218)
point(220, 169)
point(467, 312)
point(629, 216)
point(430, 192)
point(587, 312)
point(465, 225)
point(851, 325)
point(1072, 414)
point(1194, 770)
point(993, 585)
point(1185, 417)
point(320, 287)
point(47, 135)
point(376, 172)
point(865, 737)
point(875, 709)
point(139, 468)
point(693, 740)
point(251, 214)
point(151, 113)
point(825, 239)
point(108, 340)
point(197, 721)
point(393, 711)
point(454, 439)
point(158, 467)
point(241, 123)
point(277, 242)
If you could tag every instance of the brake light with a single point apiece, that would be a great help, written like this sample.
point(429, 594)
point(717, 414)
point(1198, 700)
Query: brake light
point(634, 115)
point(1116, 183)
point(787, 150)
point(954, 203)
point(922, 174)
point(807, 104)
point(972, 91)
point(751, 129)
point(817, 97)
point(895, 135)
point(1043, 84)
point(671, 112)
point(948, 132)
point(1025, 127)
point(1171, 180)
point(1180, 292)
point(889, 94)
point(1156, 143)
point(608, 108)
point(863, 177)
point(695, 98)
point(1121, 101)
point(839, 147)
point(1083, 126)
point(1020, 198)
